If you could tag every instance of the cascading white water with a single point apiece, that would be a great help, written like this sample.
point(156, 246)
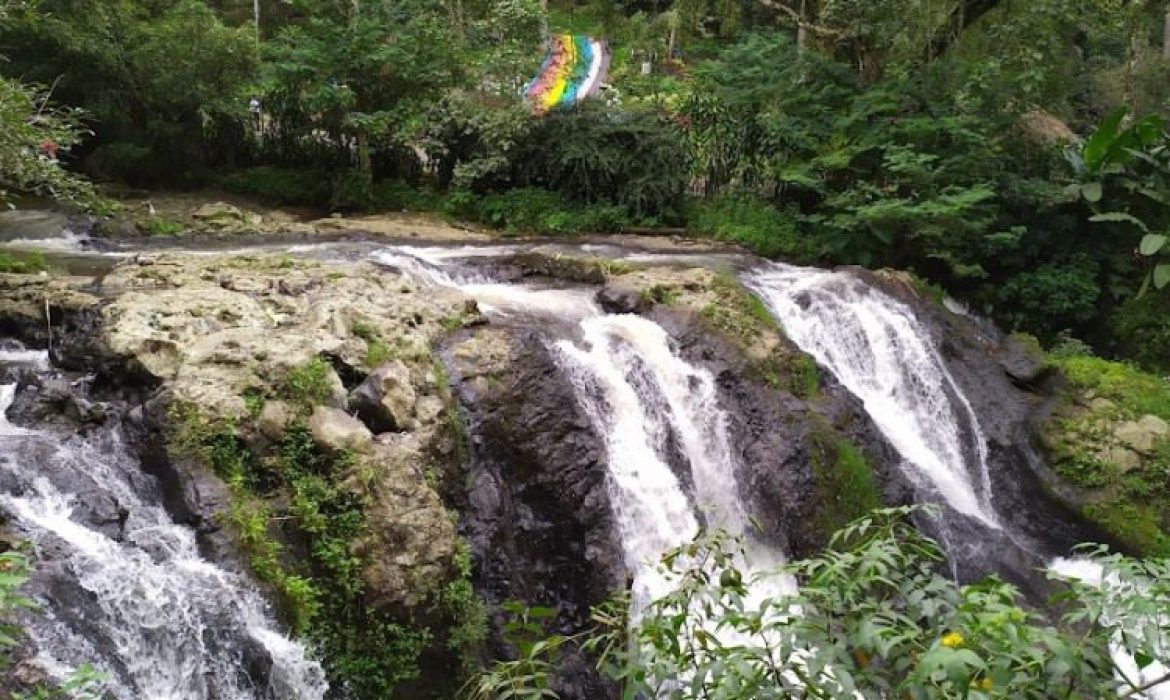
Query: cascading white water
point(635, 388)
point(162, 622)
point(638, 392)
point(875, 346)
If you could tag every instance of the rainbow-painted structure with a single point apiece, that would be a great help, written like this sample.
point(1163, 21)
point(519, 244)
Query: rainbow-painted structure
point(573, 70)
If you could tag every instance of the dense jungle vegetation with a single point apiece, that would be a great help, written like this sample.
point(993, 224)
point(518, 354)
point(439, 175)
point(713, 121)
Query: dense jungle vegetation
point(1012, 152)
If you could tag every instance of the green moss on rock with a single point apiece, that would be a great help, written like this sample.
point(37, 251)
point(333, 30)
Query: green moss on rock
point(845, 483)
point(304, 517)
point(1111, 439)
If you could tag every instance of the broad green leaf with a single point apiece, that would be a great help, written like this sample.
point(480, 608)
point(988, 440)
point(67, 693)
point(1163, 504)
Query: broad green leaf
point(1162, 275)
point(1097, 146)
point(1152, 243)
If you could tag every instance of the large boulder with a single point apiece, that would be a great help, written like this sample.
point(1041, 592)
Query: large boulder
point(410, 541)
point(215, 328)
point(386, 399)
point(338, 431)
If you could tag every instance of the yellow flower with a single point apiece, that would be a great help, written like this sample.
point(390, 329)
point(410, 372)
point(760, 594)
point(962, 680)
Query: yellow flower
point(953, 640)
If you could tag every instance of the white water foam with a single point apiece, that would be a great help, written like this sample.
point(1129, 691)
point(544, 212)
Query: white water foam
point(635, 388)
point(162, 622)
point(875, 346)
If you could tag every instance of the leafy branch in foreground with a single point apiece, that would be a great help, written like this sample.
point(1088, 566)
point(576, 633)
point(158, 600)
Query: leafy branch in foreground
point(873, 618)
point(83, 684)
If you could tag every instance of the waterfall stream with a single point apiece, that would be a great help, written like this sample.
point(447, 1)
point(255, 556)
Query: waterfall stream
point(133, 597)
point(876, 347)
point(639, 394)
point(166, 624)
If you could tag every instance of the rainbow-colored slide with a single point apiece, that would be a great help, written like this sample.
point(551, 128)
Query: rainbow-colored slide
point(572, 71)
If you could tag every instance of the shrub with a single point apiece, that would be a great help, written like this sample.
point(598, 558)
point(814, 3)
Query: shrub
point(309, 384)
point(875, 616)
point(598, 155)
point(1141, 331)
point(754, 224)
point(23, 263)
point(280, 185)
point(124, 162)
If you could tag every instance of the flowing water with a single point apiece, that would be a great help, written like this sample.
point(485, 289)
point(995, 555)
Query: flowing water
point(134, 598)
point(671, 468)
point(876, 347)
point(641, 396)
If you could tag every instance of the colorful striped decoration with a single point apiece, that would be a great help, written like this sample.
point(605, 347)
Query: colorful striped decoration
point(572, 71)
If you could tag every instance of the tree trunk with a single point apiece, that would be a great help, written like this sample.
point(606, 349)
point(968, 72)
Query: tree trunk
point(801, 28)
point(256, 14)
point(1166, 34)
point(966, 13)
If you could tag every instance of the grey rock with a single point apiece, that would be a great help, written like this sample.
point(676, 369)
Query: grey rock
point(337, 430)
point(385, 401)
point(273, 418)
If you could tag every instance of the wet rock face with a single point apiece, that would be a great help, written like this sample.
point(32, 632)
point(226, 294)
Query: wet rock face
point(537, 515)
point(1010, 393)
point(776, 436)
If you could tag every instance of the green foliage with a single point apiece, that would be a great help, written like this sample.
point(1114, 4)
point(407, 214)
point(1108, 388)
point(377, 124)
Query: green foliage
point(1123, 172)
point(166, 76)
point(23, 263)
point(872, 618)
point(297, 512)
point(754, 224)
point(1141, 331)
point(535, 211)
point(377, 351)
point(459, 602)
point(529, 676)
point(593, 155)
point(309, 384)
point(162, 226)
point(28, 124)
point(275, 185)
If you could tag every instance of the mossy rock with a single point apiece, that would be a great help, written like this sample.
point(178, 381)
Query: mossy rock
point(1110, 438)
point(570, 268)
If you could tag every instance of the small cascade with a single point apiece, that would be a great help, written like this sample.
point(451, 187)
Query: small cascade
point(640, 395)
point(124, 588)
point(876, 347)
point(636, 389)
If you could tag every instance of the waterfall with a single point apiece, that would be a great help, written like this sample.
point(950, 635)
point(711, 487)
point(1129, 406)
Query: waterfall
point(636, 390)
point(639, 394)
point(878, 350)
point(140, 604)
